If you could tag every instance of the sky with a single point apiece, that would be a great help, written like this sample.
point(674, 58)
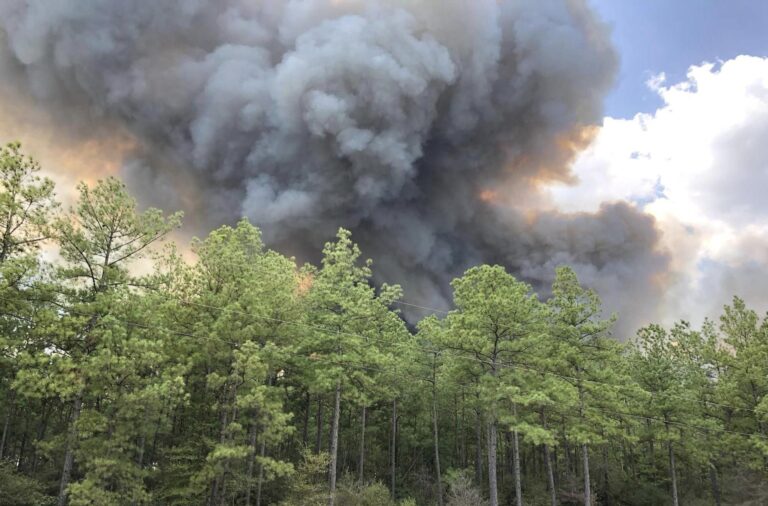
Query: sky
point(684, 139)
point(654, 36)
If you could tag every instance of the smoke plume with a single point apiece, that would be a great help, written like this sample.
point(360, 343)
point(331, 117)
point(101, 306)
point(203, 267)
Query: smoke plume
point(425, 126)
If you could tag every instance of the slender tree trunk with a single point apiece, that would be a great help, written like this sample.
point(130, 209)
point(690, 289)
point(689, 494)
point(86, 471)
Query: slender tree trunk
point(153, 449)
point(456, 431)
point(463, 432)
point(606, 497)
point(673, 473)
point(217, 482)
point(492, 483)
point(651, 450)
point(587, 487)
point(437, 449)
point(7, 424)
point(548, 465)
point(361, 461)
point(140, 453)
point(568, 473)
point(334, 444)
point(319, 421)
point(228, 438)
point(585, 455)
point(330, 436)
point(23, 445)
point(139, 460)
point(251, 461)
point(629, 453)
point(478, 449)
point(550, 475)
point(41, 428)
point(260, 484)
point(715, 484)
point(69, 453)
point(516, 467)
point(305, 426)
point(393, 456)
point(345, 446)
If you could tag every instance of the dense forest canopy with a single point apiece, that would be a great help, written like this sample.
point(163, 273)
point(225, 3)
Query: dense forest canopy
point(242, 378)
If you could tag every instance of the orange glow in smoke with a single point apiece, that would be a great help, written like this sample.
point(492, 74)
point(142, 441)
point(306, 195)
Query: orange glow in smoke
point(568, 145)
point(489, 196)
point(95, 159)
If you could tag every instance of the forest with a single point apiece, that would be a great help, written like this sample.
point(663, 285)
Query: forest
point(135, 373)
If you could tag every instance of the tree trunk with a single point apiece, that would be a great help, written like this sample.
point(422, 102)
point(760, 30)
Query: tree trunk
point(585, 455)
point(673, 474)
point(568, 473)
point(139, 460)
point(319, 421)
point(437, 449)
point(251, 461)
point(550, 475)
point(153, 449)
point(456, 431)
point(478, 450)
point(463, 433)
point(69, 454)
point(548, 464)
point(361, 461)
point(7, 424)
point(516, 467)
point(330, 437)
point(587, 487)
point(715, 484)
point(40, 434)
point(22, 445)
point(229, 438)
point(651, 450)
point(305, 427)
point(606, 491)
point(334, 444)
point(260, 484)
point(492, 484)
point(217, 482)
point(140, 453)
point(393, 456)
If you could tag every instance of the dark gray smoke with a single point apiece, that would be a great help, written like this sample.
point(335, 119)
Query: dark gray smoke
point(398, 119)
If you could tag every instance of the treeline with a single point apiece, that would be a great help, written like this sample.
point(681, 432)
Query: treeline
point(131, 376)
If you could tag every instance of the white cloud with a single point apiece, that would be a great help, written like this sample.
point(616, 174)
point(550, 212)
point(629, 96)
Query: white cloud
point(699, 165)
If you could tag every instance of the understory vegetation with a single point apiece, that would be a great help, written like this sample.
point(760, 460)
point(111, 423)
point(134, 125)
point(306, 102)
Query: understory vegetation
point(131, 374)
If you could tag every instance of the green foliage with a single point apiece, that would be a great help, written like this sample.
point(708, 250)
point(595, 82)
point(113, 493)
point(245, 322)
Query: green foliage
point(214, 380)
point(461, 490)
point(309, 488)
point(17, 489)
point(26, 203)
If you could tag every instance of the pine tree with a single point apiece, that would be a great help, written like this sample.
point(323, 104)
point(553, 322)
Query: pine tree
point(233, 305)
point(349, 324)
point(92, 354)
point(588, 362)
point(496, 320)
point(27, 206)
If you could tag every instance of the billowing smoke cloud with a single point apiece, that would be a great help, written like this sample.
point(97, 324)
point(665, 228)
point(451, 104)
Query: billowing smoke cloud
point(699, 165)
point(425, 126)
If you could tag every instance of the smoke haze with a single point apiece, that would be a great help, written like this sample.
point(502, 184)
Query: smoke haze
point(426, 127)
